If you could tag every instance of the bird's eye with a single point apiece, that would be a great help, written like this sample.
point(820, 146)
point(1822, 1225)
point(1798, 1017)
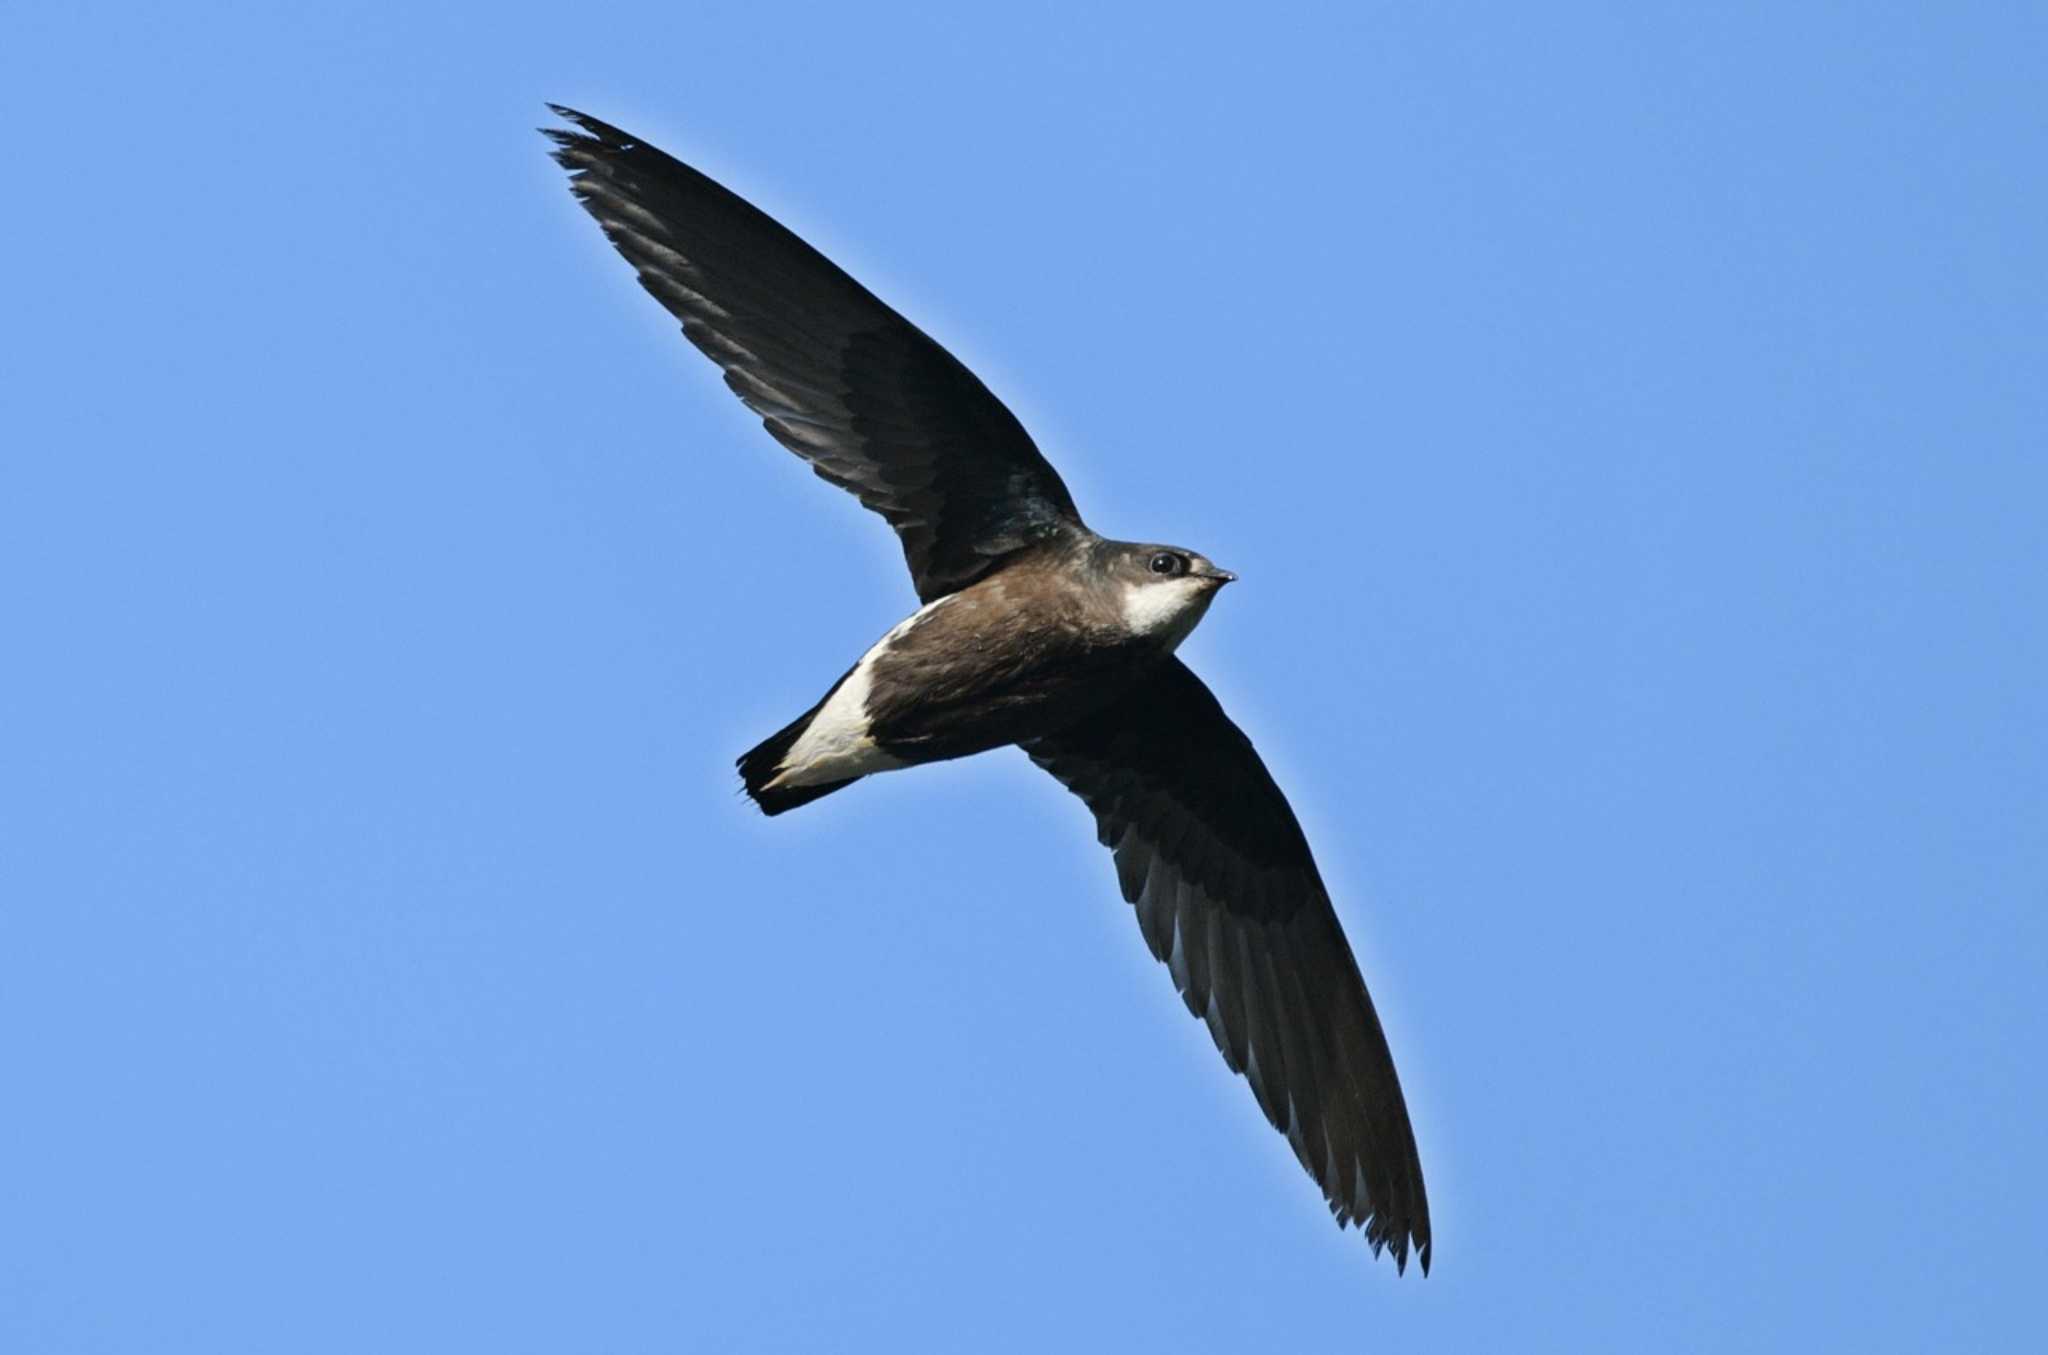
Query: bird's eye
point(1166, 562)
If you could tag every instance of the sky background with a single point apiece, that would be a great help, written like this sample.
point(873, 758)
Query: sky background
point(1629, 421)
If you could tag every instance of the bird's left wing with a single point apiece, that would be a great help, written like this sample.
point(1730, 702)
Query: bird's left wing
point(872, 403)
point(1229, 899)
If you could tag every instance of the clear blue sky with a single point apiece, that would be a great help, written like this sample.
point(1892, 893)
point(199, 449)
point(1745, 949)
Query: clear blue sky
point(1629, 422)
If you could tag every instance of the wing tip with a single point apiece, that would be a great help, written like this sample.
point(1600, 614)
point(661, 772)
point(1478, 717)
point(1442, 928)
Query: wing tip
point(1399, 1232)
point(591, 136)
point(589, 126)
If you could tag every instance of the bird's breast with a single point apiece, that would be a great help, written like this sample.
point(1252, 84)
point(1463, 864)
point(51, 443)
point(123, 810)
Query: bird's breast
point(992, 666)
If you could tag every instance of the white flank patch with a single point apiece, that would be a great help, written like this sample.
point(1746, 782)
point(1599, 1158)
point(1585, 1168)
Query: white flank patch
point(1168, 609)
point(837, 744)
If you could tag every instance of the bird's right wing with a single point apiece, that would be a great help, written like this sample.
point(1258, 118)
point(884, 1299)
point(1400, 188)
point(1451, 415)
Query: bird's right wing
point(840, 379)
point(1229, 899)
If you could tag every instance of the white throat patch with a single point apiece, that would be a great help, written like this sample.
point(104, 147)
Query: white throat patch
point(1168, 609)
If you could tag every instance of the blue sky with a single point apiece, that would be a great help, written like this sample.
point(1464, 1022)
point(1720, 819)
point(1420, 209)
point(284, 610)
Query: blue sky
point(1628, 420)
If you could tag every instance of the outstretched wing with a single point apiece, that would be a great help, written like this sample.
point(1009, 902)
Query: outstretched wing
point(846, 383)
point(1229, 898)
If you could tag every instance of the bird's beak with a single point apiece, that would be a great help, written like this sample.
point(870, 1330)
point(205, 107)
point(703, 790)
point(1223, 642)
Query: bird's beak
point(1220, 576)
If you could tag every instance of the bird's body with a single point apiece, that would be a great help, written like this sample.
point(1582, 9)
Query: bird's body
point(1037, 632)
point(1055, 635)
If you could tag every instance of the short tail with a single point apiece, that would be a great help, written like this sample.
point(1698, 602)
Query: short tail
point(758, 766)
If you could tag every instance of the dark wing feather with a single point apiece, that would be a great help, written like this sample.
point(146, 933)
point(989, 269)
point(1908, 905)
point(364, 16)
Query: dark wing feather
point(1229, 899)
point(846, 383)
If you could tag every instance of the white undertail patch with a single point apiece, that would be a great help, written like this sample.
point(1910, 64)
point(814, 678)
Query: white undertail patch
point(838, 742)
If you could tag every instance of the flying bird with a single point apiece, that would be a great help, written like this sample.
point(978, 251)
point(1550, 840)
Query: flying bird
point(1033, 631)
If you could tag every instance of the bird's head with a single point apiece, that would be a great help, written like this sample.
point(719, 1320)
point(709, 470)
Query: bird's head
point(1163, 591)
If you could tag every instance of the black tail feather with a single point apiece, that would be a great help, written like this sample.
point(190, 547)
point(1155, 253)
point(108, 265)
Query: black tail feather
point(758, 765)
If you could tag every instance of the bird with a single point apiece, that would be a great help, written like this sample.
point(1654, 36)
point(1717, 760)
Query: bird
point(1035, 631)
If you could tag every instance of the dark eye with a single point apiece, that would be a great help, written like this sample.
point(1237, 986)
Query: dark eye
point(1166, 562)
